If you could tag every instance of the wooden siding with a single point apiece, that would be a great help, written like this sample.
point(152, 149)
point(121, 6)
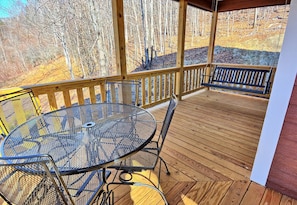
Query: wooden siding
point(283, 172)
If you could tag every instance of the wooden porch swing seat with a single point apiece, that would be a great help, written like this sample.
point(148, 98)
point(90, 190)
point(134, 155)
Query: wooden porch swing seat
point(257, 81)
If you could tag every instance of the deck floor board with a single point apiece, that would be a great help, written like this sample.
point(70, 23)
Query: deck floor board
point(210, 150)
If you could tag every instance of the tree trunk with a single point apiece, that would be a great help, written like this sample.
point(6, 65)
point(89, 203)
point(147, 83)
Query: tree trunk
point(67, 56)
point(255, 18)
point(144, 26)
point(3, 55)
point(152, 28)
point(137, 28)
point(160, 28)
point(165, 25)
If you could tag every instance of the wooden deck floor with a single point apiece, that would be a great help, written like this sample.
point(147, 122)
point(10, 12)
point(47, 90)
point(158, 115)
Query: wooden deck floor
point(210, 149)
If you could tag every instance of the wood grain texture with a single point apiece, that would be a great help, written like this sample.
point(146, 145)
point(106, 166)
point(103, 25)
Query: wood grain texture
point(210, 149)
point(253, 195)
point(235, 193)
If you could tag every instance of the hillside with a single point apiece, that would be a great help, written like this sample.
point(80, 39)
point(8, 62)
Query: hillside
point(221, 55)
point(52, 72)
point(57, 71)
point(262, 34)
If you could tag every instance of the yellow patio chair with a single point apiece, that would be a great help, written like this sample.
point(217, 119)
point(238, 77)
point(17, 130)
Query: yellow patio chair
point(17, 105)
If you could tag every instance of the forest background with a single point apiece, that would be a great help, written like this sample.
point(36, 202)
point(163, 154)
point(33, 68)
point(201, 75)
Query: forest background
point(45, 41)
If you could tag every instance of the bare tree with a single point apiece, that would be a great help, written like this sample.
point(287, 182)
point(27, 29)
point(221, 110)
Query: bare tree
point(82, 32)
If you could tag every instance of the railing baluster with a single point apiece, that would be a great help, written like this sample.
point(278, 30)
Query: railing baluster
point(67, 99)
point(52, 100)
point(80, 96)
point(92, 94)
point(160, 86)
point(149, 89)
point(143, 91)
point(155, 88)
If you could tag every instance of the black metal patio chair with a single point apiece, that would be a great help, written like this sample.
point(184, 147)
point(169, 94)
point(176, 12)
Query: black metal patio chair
point(148, 157)
point(123, 91)
point(35, 179)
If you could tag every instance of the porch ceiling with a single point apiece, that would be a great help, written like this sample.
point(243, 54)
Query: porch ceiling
point(229, 5)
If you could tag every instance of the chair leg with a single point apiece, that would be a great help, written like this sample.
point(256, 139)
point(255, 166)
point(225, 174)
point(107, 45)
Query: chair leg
point(160, 167)
point(110, 198)
point(167, 170)
point(107, 198)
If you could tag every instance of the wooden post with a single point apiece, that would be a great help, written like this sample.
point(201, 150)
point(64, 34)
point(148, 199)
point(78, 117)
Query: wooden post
point(212, 37)
point(212, 40)
point(181, 46)
point(119, 35)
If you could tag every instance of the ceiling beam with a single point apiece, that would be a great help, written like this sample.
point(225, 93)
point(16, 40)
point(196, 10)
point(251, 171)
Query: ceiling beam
point(230, 5)
point(202, 4)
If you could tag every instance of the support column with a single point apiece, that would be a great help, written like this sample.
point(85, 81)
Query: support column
point(211, 45)
point(119, 37)
point(212, 37)
point(181, 46)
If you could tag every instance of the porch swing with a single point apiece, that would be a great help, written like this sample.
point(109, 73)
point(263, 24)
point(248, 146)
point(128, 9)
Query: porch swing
point(256, 80)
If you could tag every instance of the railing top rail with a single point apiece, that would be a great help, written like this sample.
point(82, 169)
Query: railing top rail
point(266, 67)
point(73, 82)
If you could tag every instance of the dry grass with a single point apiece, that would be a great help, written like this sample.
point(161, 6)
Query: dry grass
point(266, 35)
point(52, 72)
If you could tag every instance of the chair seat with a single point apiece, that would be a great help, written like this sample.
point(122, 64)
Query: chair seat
point(142, 160)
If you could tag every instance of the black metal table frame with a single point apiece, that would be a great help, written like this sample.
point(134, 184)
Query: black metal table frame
point(40, 129)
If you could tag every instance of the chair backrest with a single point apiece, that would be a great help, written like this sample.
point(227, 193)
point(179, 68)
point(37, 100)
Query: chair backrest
point(16, 108)
point(124, 91)
point(167, 120)
point(32, 180)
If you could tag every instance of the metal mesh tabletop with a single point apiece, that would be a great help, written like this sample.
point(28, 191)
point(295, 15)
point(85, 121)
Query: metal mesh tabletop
point(83, 138)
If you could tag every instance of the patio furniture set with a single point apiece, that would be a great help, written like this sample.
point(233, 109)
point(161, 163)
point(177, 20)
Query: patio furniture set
point(74, 155)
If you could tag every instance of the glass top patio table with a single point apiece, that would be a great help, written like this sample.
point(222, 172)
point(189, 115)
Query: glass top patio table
point(83, 138)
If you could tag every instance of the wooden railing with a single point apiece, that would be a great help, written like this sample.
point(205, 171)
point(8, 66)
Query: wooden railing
point(192, 78)
point(156, 87)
